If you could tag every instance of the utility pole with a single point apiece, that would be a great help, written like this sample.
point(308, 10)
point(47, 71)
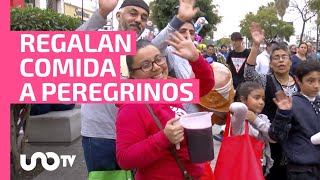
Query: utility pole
point(82, 11)
point(317, 37)
point(317, 23)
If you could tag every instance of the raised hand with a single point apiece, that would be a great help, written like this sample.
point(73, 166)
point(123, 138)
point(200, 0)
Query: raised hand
point(257, 33)
point(184, 47)
point(106, 6)
point(186, 10)
point(283, 101)
point(174, 131)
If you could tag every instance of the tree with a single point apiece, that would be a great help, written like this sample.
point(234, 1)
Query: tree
point(281, 6)
point(224, 41)
point(314, 6)
point(163, 11)
point(305, 12)
point(35, 19)
point(269, 21)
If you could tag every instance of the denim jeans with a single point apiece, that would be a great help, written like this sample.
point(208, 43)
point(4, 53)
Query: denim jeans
point(99, 154)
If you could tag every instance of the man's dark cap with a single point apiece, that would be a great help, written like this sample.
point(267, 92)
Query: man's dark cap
point(138, 3)
point(236, 36)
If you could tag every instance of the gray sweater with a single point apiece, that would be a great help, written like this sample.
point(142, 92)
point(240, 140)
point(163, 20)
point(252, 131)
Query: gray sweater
point(98, 120)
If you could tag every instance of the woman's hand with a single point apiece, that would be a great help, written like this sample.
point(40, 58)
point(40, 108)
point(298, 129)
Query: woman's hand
point(184, 47)
point(174, 131)
point(257, 33)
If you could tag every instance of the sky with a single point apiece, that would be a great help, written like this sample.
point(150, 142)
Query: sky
point(233, 11)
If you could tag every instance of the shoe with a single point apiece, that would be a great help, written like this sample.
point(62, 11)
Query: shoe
point(218, 137)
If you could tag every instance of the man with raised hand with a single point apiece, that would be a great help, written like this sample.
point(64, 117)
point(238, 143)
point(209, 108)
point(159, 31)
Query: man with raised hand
point(179, 67)
point(98, 120)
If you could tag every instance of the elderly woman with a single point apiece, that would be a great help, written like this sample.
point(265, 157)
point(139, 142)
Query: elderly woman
point(140, 144)
point(278, 80)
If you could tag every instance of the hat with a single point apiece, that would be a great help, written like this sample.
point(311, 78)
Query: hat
point(236, 36)
point(138, 3)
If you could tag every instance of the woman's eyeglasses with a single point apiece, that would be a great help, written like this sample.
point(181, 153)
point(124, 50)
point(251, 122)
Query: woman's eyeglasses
point(282, 57)
point(148, 65)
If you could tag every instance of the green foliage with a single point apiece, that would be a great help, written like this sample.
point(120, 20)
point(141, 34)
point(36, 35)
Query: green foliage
point(314, 6)
point(224, 41)
point(163, 11)
point(35, 19)
point(267, 18)
point(281, 6)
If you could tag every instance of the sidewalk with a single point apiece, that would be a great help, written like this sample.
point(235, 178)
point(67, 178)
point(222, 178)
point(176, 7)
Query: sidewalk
point(78, 171)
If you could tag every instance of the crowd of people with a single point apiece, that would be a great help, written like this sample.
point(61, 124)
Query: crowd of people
point(278, 92)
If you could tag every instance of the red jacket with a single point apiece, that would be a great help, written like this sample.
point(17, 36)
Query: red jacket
point(141, 145)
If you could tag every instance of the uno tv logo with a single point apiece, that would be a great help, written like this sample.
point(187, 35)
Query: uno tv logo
point(44, 157)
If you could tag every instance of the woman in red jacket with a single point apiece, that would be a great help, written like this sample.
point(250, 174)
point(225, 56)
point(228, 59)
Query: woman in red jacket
point(140, 144)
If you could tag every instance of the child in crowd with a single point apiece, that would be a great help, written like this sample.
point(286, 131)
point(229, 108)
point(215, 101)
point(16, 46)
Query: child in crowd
point(249, 103)
point(298, 119)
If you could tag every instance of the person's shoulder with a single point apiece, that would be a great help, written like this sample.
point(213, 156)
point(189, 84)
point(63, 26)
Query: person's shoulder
point(231, 53)
point(130, 108)
point(294, 56)
point(299, 99)
point(260, 56)
point(264, 117)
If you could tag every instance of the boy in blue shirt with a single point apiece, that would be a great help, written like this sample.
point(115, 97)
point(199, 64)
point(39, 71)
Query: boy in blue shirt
point(294, 124)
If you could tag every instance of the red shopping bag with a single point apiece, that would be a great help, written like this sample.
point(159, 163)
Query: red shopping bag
point(208, 173)
point(239, 157)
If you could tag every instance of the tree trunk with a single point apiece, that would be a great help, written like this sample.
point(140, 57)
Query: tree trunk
point(302, 32)
point(18, 113)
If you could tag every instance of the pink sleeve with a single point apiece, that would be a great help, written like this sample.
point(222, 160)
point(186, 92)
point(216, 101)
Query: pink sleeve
point(133, 142)
point(203, 71)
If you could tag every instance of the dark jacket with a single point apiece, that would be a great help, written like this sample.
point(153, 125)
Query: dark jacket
point(294, 128)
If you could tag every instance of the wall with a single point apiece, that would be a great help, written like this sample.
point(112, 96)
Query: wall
point(75, 11)
point(15, 3)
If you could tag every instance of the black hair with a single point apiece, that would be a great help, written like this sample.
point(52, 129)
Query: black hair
point(210, 45)
point(271, 43)
point(306, 67)
point(292, 45)
point(139, 45)
point(223, 46)
point(191, 22)
point(245, 88)
point(303, 43)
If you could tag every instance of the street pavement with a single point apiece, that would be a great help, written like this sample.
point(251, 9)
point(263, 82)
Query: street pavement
point(78, 171)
